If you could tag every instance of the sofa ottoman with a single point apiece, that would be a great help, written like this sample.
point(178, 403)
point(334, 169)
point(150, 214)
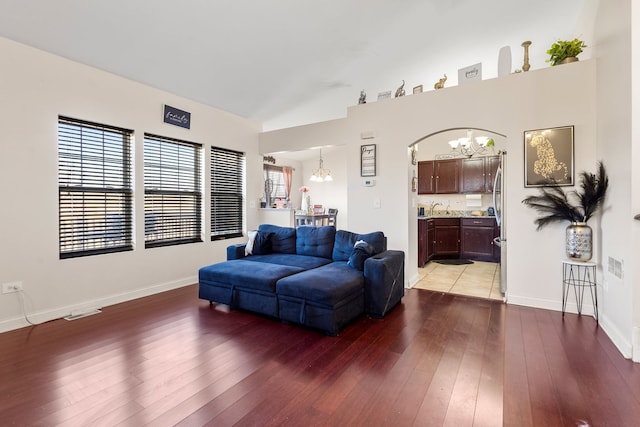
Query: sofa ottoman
point(325, 298)
point(244, 284)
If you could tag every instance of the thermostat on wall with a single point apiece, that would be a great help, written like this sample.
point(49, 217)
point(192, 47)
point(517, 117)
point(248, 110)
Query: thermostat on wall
point(369, 182)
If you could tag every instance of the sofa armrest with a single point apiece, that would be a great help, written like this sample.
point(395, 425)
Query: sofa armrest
point(383, 282)
point(235, 251)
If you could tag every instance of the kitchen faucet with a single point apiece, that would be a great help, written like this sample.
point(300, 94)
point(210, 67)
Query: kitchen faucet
point(432, 206)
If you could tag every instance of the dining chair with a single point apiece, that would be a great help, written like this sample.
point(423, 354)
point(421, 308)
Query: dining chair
point(333, 217)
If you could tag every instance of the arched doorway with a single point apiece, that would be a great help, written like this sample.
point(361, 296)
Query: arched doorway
point(470, 212)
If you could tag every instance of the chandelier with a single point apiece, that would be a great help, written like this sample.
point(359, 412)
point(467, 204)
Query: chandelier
point(321, 174)
point(469, 146)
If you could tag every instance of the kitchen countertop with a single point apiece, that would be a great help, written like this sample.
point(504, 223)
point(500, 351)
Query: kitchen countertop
point(454, 215)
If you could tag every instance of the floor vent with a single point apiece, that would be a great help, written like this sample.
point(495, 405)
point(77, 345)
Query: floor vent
point(81, 314)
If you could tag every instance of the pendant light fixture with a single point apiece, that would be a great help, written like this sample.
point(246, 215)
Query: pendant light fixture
point(469, 146)
point(321, 174)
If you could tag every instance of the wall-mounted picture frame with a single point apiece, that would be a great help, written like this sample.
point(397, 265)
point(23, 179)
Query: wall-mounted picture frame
point(384, 95)
point(472, 73)
point(368, 160)
point(549, 157)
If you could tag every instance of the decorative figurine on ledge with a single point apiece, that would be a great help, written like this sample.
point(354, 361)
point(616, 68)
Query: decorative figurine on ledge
point(526, 66)
point(363, 97)
point(400, 90)
point(440, 83)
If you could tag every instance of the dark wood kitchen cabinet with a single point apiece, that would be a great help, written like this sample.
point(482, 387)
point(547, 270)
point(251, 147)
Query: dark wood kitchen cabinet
point(431, 239)
point(438, 176)
point(422, 242)
point(426, 177)
point(477, 239)
point(425, 241)
point(447, 237)
point(477, 174)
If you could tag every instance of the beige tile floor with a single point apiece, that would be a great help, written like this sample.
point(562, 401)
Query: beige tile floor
point(480, 279)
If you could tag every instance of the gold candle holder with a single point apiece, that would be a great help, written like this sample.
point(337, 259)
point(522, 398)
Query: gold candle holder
point(526, 65)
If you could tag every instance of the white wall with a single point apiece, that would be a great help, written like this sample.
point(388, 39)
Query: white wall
point(36, 87)
point(617, 145)
point(551, 97)
point(509, 105)
point(635, 176)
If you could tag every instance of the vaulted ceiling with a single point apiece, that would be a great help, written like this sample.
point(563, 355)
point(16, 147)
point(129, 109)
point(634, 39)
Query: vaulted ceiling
point(291, 62)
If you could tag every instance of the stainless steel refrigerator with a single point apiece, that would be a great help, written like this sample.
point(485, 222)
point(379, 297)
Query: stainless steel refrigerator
point(499, 205)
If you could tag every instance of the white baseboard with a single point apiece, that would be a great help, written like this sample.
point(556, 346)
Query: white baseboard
point(412, 281)
point(622, 344)
point(60, 312)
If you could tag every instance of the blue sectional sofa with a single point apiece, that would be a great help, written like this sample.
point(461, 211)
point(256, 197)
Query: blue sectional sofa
point(313, 276)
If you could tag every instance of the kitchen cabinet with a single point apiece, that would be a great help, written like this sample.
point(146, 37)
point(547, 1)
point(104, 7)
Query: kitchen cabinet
point(477, 174)
point(447, 237)
point(477, 239)
point(422, 242)
point(438, 176)
point(426, 177)
point(431, 240)
point(425, 241)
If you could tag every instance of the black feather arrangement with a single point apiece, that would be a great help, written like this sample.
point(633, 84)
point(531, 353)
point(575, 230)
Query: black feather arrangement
point(574, 206)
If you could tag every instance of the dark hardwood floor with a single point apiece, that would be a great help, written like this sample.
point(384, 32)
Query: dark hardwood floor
point(437, 359)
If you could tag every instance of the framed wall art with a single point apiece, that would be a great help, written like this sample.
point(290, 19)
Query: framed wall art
point(548, 157)
point(368, 160)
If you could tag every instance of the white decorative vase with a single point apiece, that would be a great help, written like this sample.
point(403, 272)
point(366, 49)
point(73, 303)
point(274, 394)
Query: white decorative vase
point(306, 202)
point(579, 241)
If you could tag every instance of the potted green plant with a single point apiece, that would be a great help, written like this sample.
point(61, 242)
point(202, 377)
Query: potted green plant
point(564, 51)
point(577, 207)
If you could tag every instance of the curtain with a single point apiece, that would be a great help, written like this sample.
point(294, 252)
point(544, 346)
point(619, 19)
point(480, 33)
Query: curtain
point(287, 172)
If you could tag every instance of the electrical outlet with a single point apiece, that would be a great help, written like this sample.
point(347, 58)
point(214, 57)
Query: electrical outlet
point(10, 287)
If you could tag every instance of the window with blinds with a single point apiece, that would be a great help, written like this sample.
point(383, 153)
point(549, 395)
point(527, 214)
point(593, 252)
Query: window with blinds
point(227, 193)
point(94, 188)
point(276, 177)
point(172, 191)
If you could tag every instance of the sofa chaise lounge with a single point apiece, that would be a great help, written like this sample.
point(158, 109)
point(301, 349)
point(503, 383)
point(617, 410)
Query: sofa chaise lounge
point(313, 276)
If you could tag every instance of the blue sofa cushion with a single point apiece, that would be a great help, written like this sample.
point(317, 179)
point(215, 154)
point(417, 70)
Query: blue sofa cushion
point(302, 261)
point(315, 241)
point(361, 251)
point(246, 274)
point(328, 285)
point(346, 240)
point(283, 239)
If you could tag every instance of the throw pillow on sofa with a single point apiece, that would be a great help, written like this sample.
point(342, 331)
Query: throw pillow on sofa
point(259, 243)
point(346, 240)
point(361, 251)
point(283, 240)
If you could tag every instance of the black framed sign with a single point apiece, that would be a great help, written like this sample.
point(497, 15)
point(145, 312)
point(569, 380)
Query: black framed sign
point(368, 160)
point(548, 157)
point(177, 117)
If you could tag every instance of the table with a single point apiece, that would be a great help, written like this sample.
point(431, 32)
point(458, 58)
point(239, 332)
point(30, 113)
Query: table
point(311, 219)
point(581, 275)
